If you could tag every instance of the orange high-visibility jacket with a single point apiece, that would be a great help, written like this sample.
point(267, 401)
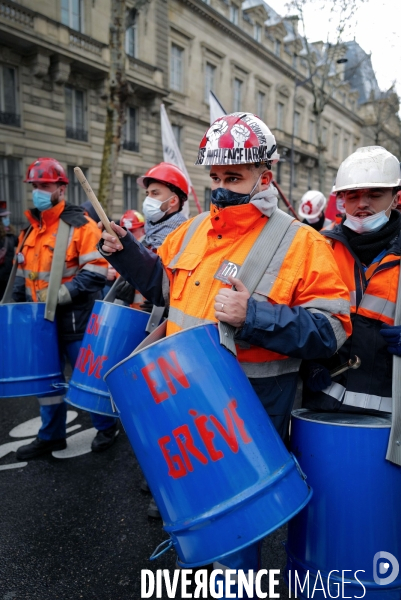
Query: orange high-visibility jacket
point(373, 300)
point(84, 272)
point(307, 308)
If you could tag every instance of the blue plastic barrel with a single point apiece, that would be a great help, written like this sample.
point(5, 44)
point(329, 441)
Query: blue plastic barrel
point(29, 354)
point(112, 333)
point(219, 472)
point(355, 511)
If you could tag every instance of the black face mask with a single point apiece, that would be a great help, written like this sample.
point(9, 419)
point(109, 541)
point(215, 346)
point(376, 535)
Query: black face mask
point(223, 197)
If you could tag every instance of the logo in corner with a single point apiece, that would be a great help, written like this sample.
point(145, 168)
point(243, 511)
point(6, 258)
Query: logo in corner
point(383, 563)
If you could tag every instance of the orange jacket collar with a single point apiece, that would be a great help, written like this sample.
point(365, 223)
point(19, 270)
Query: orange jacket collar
point(235, 219)
point(48, 217)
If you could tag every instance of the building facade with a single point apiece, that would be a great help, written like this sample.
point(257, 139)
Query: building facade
point(54, 62)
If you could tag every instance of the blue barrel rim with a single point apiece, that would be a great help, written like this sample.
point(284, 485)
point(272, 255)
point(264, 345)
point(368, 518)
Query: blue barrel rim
point(135, 352)
point(302, 414)
point(120, 306)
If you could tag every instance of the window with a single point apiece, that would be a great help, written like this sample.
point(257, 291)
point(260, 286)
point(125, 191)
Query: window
point(75, 191)
point(310, 179)
point(75, 114)
point(345, 147)
point(130, 190)
point(297, 123)
point(131, 34)
point(206, 1)
point(261, 104)
point(257, 32)
point(237, 94)
point(176, 68)
point(311, 131)
point(10, 189)
point(335, 144)
point(8, 96)
point(278, 175)
point(234, 14)
point(210, 75)
point(208, 197)
point(277, 47)
point(325, 134)
point(280, 115)
point(72, 14)
point(177, 130)
point(294, 61)
point(295, 175)
point(131, 130)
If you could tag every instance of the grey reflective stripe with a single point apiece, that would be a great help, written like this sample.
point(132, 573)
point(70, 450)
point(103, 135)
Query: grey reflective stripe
point(28, 294)
point(95, 269)
point(368, 401)
point(84, 258)
point(138, 297)
point(335, 307)
point(70, 271)
point(42, 275)
point(196, 221)
point(70, 235)
point(166, 288)
point(336, 325)
point(185, 321)
point(359, 399)
point(272, 368)
point(352, 297)
point(381, 306)
point(50, 400)
point(265, 285)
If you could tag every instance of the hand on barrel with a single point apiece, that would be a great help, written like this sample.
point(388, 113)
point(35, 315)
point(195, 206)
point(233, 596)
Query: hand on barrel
point(112, 244)
point(231, 305)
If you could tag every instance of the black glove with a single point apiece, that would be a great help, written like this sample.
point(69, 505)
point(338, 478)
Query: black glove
point(126, 293)
point(317, 377)
point(146, 306)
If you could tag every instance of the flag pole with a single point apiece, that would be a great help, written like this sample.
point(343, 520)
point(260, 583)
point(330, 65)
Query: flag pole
point(284, 199)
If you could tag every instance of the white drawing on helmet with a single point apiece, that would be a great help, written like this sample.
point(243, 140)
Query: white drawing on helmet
point(240, 133)
point(215, 132)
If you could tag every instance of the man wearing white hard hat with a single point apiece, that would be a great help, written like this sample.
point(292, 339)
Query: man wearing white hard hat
point(311, 210)
point(367, 246)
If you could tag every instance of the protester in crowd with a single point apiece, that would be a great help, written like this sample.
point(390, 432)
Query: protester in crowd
point(311, 210)
point(300, 308)
point(367, 245)
point(8, 243)
point(83, 278)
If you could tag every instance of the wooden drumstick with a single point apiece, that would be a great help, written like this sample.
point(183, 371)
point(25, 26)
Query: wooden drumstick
point(94, 201)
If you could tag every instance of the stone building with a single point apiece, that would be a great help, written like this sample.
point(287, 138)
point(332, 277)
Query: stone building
point(54, 61)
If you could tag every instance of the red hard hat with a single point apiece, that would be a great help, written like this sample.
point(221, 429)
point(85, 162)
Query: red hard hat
point(168, 174)
point(46, 170)
point(132, 219)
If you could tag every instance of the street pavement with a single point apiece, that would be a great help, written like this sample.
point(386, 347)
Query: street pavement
point(74, 525)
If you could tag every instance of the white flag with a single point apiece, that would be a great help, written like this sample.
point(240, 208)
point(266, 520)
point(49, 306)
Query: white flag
point(171, 152)
point(216, 109)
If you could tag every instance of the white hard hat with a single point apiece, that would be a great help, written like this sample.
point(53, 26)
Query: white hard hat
point(312, 204)
point(237, 139)
point(368, 167)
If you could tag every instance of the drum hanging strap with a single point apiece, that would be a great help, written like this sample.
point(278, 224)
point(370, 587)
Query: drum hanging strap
point(8, 294)
point(56, 271)
point(256, 263)
point(394, 443)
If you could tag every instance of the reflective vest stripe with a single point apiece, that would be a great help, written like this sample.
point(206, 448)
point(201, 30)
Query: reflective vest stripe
point(95, 269)
point(272, 368)
point(84, 258)
point(352, 297)
point(336, 326)
point(268, 280)
point(188, 236)
point(337, 306)
point(380, 306)
point(359, 399)
point(45, 275)
point(183, 320)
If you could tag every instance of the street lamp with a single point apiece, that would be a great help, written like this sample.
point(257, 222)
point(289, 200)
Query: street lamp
point(301, 83)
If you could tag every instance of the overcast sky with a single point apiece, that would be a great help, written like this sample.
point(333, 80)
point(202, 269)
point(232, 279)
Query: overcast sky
point(375, 30)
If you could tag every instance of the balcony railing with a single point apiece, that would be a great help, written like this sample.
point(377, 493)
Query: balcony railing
point(7, 118)
point(76, 134)
point(131, 146)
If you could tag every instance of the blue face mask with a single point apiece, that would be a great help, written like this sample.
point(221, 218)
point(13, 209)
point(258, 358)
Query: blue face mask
point(41, 199)
point(6, 221)
point(223, 197)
